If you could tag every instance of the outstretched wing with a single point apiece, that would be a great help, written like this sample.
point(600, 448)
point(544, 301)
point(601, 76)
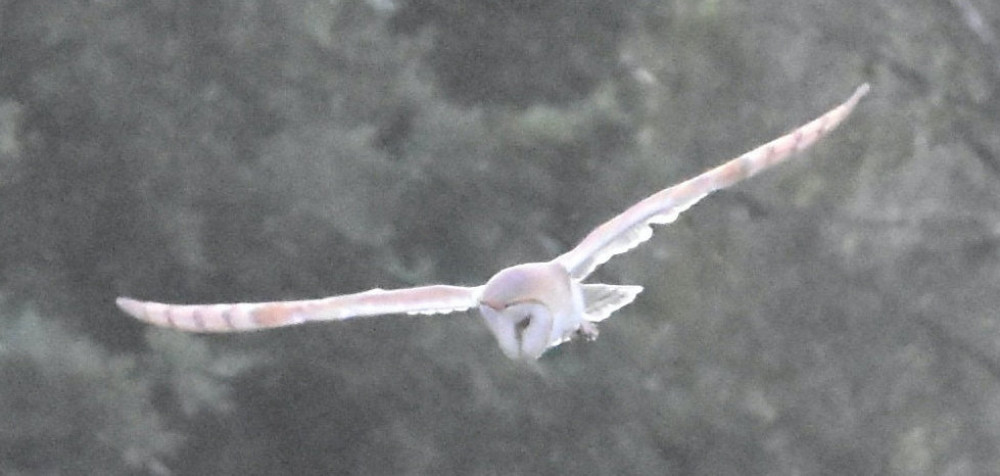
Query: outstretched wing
point(235, 317)
point(629, 229)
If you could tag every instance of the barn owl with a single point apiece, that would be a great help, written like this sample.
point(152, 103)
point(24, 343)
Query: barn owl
point(530, 307)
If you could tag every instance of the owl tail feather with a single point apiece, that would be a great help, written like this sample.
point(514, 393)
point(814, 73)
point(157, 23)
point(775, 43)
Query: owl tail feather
point(600, 300)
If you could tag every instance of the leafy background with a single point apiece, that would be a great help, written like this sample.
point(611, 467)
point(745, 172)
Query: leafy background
point(837, 315)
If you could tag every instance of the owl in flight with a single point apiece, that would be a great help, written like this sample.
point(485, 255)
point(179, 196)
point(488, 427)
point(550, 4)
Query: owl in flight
point(529, 307)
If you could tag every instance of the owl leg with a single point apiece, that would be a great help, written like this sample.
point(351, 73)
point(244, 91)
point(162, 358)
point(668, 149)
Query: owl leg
point(587, 331)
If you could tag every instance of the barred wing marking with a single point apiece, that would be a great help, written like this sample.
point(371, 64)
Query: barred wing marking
point(438, 299)
point(632, 227)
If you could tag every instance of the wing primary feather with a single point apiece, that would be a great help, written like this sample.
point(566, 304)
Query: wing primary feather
point(632, 227)
point(235, 317)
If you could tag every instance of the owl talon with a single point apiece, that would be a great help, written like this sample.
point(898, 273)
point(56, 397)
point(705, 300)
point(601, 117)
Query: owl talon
point(587, 331)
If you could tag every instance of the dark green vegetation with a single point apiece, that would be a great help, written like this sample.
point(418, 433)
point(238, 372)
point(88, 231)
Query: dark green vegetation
point(837, 315)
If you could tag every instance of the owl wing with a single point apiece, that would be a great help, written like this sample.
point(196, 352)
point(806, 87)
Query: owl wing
point(631, 228)
point(437, 299)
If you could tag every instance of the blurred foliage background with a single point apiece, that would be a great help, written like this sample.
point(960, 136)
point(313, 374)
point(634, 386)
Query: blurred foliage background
point(837, 315)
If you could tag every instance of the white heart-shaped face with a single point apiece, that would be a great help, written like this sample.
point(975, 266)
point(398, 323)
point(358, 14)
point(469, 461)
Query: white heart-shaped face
point(523, 330)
